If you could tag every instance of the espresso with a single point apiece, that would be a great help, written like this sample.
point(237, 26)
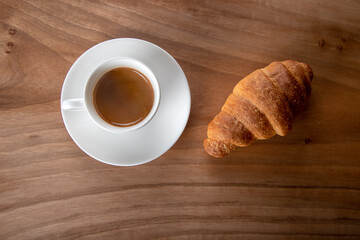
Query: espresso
point(123, 97)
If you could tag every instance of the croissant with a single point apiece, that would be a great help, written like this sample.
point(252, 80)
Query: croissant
point(261, 105)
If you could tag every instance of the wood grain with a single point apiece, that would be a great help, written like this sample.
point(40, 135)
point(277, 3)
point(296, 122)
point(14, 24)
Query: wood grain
point(302, 186)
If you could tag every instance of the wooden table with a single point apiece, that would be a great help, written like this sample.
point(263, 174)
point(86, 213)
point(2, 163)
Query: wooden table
point(302, 186)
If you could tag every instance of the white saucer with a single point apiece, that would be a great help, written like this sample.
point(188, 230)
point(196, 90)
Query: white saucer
point(148, 142)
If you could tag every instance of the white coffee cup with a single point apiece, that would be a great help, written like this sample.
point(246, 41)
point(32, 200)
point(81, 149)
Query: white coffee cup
point(86, 103)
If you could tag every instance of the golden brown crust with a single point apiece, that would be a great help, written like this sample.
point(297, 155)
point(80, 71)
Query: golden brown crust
point(217, 148)
point(260, 91)
point(227, 129)
point(308, 71)
point(294, 91)
point(262, 104)
point(299, 73)
point(245, 112)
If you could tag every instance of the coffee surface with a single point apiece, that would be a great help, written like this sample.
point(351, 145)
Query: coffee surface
point(123, 97)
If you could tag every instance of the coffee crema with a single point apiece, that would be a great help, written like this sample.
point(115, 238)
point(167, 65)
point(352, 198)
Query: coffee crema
point(123, 97)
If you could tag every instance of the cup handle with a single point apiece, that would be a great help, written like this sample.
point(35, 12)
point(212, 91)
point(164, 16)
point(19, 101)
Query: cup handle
point(76, 104)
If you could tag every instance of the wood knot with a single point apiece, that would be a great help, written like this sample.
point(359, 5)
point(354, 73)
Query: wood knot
point(10, 44)
point(307, 140)
point(343, 39)
point(7, 51)
point(321, 42)
point(12, 31)
point(339, 47)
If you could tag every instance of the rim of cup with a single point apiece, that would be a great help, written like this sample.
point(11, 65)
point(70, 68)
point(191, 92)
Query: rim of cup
point(107, 66)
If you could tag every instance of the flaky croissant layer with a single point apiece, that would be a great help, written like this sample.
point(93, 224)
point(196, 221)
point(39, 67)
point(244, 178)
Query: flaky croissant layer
point(261, 105)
